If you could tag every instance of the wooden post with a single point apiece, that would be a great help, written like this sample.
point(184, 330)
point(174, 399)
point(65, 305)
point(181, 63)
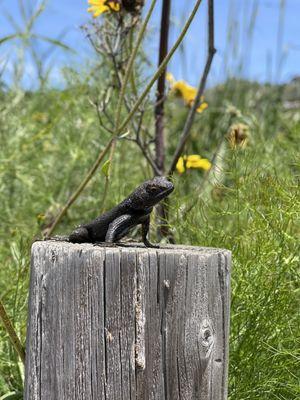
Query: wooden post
point(127, 323)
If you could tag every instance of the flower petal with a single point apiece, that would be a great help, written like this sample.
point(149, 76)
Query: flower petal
point(100, 6)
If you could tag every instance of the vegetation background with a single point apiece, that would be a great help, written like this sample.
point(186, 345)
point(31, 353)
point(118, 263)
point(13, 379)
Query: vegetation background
point(249, 204)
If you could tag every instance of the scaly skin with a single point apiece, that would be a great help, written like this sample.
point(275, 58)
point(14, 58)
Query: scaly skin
point(135, 210)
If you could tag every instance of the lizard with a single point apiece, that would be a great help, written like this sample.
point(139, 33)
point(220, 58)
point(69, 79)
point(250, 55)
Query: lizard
point(135, 210)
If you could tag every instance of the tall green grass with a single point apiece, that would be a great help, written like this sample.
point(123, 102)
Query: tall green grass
point(250, 204)
point(50, 139)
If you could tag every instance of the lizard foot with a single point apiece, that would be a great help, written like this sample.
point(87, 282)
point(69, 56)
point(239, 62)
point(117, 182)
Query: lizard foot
point(58, 238)
point(149, 244)
point(105, 244)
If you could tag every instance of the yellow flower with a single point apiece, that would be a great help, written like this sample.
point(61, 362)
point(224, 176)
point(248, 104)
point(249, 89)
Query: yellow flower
point(186, 92)
point(193, 161)
point(41, 217)
point(100, 6)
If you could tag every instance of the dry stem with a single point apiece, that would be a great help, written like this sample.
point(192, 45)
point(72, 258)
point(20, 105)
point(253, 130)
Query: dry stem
point(160, 96)
point(191, 116)
point(11, 332)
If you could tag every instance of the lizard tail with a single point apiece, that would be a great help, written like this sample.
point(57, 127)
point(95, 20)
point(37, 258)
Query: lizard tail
point(79, 235)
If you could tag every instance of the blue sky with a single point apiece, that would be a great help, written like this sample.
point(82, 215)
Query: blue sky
point(269, 51)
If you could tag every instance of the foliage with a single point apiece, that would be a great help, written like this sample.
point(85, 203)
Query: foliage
point(26, 39)
point(251, 206)
point(247, 202)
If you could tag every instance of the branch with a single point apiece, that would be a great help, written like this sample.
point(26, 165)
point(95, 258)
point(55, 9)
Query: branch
point(142, 146)
point(107, 177)
point(191, 116)
point(160, 96)
point(131, 62)
point(198, 192)
point(11, 332)
point(161, 67)
point(148, 158)
point(80, 188)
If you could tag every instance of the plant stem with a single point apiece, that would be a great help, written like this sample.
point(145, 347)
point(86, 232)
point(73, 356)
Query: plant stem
point(131, 62)
point(124, 82)
point(191, 115)
point(206, 179)
point(162, 66)
point(162, 209)
point(11, 333)
point(80, 187)
point(159, 108)
point(111, 143)
point(107, 178)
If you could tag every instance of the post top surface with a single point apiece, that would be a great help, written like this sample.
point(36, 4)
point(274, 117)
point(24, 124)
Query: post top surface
point(134, 246)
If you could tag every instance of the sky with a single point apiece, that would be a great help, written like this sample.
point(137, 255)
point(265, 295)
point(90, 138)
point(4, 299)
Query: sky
point(255, 39)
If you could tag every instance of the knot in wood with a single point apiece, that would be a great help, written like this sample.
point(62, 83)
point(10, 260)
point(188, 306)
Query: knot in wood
point(206, 334)
point(206, 340)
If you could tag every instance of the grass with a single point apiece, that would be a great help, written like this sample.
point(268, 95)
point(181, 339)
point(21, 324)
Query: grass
point(48, 141)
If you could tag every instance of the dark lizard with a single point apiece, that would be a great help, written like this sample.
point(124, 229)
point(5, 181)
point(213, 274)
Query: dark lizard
point(135, 210)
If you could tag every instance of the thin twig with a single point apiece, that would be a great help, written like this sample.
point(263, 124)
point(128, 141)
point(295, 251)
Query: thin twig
point(121, 98)
point(12, 333)
point(107, 178)
point(115, 62)
point(101, 123)
point(80, 187)
point(142, 146)
point(138, 128)
point(131, 62)
point(147, 157)
point(191, 116)
point(200, 190)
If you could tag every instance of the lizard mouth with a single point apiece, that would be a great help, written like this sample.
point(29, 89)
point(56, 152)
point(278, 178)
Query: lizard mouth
point(166, 192)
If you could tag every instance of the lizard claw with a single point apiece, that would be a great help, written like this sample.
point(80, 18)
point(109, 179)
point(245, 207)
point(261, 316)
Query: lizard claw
point(105, 244)
point(150, 245)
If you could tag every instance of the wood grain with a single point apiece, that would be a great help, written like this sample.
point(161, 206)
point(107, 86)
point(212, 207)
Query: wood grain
point(127, 323)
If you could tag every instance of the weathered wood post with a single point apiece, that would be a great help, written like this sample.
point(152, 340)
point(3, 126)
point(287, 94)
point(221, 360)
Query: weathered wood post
point(127, 323)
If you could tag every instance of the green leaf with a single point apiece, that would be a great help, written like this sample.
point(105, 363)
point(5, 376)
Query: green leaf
point(34, 17)
point(7, 38)
point(12, 21)
point(124, 135)
point(105, 170)
point(54, 42)
point(12, 396)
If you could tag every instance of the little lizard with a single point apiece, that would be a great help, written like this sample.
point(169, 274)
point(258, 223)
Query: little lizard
point(135, 210)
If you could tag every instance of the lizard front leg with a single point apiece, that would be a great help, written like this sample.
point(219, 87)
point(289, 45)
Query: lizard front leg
point(145, 230)
point(119, 227)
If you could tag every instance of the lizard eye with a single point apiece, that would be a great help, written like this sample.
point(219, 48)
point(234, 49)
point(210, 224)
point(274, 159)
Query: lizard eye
point(151, 189)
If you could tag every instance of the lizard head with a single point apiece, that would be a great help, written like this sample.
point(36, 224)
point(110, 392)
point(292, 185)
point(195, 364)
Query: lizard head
point(151, 192)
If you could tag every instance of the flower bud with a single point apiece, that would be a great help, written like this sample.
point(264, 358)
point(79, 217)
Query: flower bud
point(133, 6)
